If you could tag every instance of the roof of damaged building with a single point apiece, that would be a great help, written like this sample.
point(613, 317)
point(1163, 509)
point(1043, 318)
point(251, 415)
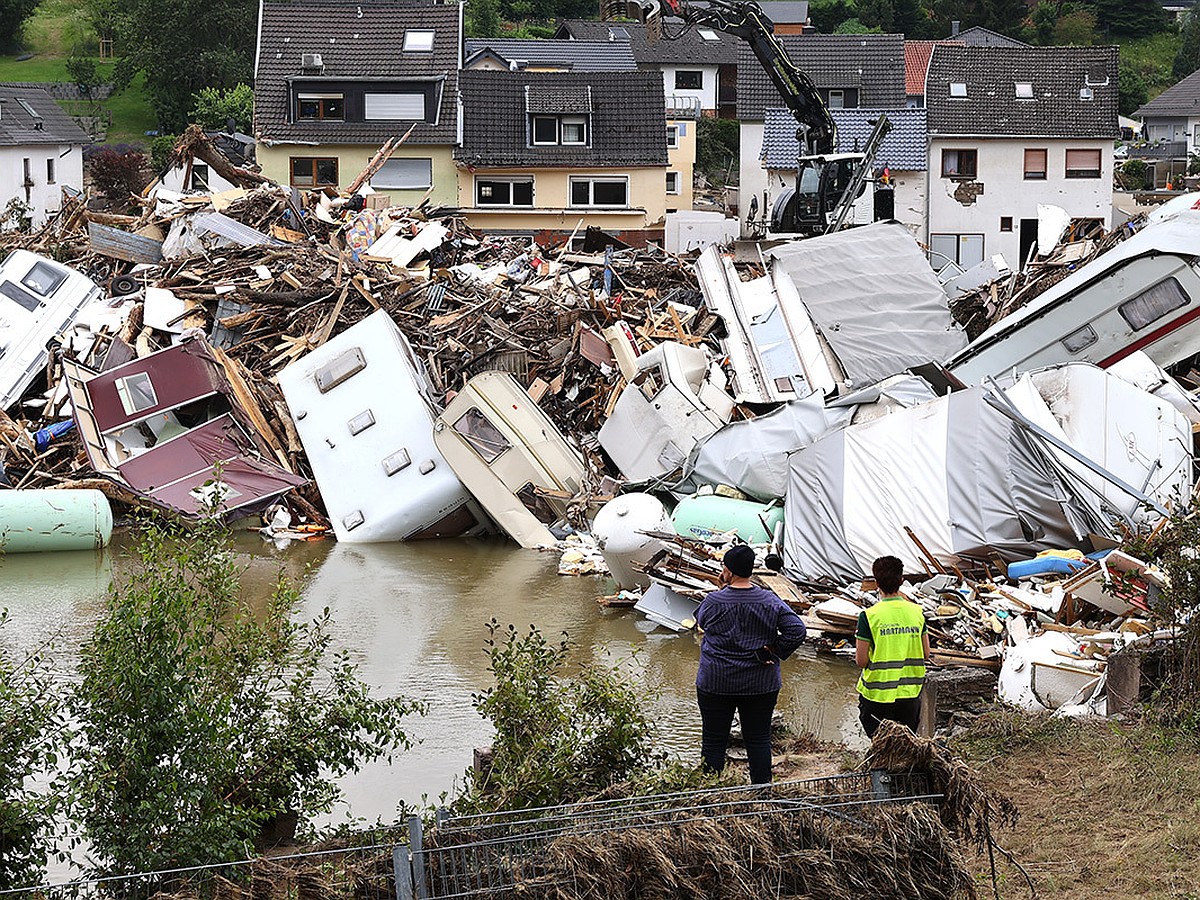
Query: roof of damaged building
point(904, 148)
point(624, 110)
point(679, 44)
point(355, 42)
point(1072, 92)
point(872, 64)
point(29, 115)
point(1182, 99)
point(572, 56)
point(916, 65)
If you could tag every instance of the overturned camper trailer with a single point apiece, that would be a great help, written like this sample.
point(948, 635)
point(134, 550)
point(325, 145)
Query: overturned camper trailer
point(362, 409)
point(39, 298)
point(1143, 294)
point(510, 456)
point(169, 428)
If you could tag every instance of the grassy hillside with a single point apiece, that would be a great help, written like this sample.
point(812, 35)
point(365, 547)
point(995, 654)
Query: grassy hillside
point(57, 28)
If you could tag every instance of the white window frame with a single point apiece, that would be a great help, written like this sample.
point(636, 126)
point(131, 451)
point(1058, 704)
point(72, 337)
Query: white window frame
point(533, 138)
point(318, 97)
point(1023, 90)
point(592, 181)
point(564, 121)
point(415, 40)
point(837, 99)
point(673, 136)
point(961, 242)
point(958, 89)
point(678, 176)
point(708, 34)
point(510, 180)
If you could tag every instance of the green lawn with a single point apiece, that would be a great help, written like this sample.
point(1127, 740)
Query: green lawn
point(58, 27)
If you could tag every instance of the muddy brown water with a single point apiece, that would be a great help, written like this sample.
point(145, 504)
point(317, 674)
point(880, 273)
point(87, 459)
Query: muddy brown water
point(413, 616)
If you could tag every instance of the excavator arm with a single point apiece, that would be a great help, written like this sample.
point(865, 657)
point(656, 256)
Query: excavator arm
point(744, 19)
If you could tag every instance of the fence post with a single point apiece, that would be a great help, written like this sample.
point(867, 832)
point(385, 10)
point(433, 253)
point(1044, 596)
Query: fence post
point(402, 870)
point(417, 842)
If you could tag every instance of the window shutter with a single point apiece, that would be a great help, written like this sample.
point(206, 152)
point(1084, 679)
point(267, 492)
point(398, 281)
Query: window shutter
point(404, 173)
point(394, 106)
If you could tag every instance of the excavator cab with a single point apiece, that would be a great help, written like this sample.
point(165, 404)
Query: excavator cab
point(820, 183)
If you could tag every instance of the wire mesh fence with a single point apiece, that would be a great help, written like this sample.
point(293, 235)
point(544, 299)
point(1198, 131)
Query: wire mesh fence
point(361, 872)
point(480, 856)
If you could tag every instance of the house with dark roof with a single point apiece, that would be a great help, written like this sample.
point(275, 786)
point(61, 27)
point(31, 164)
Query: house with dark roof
point(903, 154)
point(543, 152)
point(1010, 129)
point(978, 36)
point(1171, 124)
point(335, 80)
point(698, 65)
point(850, 71)
point(531, 55)
point(44, 151)
point(916, 67)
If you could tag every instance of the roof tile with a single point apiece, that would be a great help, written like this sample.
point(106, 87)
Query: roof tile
point(575, 56)
point(904, 148)
point(20, 127)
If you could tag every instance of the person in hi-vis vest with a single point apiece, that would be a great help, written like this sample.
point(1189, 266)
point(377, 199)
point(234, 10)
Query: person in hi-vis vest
point(891, 648)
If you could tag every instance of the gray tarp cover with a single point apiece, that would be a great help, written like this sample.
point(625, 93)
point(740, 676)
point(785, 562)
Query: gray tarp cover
point(965, 478)
point(872, 294)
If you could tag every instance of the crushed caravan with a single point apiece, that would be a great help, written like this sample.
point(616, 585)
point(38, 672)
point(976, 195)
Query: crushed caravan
point(675, 401)
point(361, 404)
point(39, 299)
point(169, 428)
point(1144, 294)
point(510, 456)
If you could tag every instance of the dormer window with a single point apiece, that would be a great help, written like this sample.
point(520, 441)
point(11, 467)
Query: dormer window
point(1024, 90)
point(958, 89)
point(320, 107)
point(418, 41)
point(554, 130)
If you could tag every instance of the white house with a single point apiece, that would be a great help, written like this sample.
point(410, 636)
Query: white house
point(1172, 128)
point(41, 151)
point(1011, 128)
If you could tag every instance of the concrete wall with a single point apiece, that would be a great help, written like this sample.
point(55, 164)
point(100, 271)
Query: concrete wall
point(1000, 190)
point(353, 158)
point(44, 197)
point(552, 212)
point(707, 94)
point(682, 159)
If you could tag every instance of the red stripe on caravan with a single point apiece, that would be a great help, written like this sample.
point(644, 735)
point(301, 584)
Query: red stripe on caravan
point(1147, 340)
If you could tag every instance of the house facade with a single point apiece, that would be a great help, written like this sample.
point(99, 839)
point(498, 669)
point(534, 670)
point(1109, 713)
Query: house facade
point(1011, 128)
point(334, 81)
point(41, 152)
point(903, 155)
point(1171, 125)
point(698, 65)
point(849, 71)
point(550, 153)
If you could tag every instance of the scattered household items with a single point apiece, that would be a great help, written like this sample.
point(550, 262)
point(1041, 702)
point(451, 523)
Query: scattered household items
point(46, 520)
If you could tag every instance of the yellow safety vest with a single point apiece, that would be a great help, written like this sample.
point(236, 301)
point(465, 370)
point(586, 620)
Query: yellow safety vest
point(897, 667)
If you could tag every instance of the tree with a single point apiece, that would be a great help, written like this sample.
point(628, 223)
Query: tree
point(213, 108)
point(1076, 27)
point(828, 15)
point(181, 46)
point(1131, 91)
point(1187, 60)
point(1130, 18)
point(483, 19)
point(13, 14)
point(117, 172)
point(84, 74)
point(200, 720)
point(855, 26)
point(912, 20)
point(876, 14)
point(1005, 16)
point(29, 720)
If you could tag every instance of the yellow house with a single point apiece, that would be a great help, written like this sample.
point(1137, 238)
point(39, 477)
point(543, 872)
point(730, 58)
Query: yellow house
point(334, 81)
point(557, 152)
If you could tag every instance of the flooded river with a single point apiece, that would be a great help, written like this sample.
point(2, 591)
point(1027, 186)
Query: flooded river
point(413, 616)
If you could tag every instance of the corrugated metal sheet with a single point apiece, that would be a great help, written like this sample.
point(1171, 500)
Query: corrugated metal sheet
point(118, 244)
point(233, 230)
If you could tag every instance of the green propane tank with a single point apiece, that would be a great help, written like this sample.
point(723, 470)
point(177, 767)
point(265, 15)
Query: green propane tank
point(37, 521)
point(702, 517)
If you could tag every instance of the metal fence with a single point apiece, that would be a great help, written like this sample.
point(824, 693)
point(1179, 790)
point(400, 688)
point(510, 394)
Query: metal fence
point(481, 856)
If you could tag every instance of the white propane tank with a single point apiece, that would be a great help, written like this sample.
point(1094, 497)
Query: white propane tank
point(618, 529)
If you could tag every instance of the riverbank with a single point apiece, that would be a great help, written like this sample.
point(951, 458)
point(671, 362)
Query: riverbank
point(1106, 809)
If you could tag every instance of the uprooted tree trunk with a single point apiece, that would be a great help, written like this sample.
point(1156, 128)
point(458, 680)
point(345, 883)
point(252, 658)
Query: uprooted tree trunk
point(196, 144)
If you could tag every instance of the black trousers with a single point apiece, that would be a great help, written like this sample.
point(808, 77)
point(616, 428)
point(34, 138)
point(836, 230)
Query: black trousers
point(754, 711)
point(872, 713)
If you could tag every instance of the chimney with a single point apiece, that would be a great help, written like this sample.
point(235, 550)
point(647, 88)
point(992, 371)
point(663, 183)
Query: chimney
point(954, 26)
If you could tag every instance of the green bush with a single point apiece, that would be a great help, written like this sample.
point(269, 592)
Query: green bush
point(213, 108)
point(717, 149)
point(560, 736)
point(1133, 175)
point(201, 720)
point(161, 148)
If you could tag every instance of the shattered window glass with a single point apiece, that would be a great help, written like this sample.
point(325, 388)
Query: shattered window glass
point(136, 393)
point(1154, 303)
point(483, 437)
point(44, 278)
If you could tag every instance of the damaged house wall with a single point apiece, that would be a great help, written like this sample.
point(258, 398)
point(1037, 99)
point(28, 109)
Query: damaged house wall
point(1012, 127)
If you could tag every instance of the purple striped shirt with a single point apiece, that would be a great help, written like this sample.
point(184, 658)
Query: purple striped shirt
point(737, 624)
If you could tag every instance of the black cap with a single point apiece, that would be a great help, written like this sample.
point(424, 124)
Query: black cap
point(739, 560)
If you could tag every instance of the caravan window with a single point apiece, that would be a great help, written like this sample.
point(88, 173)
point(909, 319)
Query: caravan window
point(1152, 304)
point(44, 278)
point(345, 365)
point(1080, 339)
point(136, 393)
point(484, 437)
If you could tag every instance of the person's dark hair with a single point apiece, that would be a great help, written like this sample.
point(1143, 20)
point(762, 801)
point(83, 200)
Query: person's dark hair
point(888, 572)
point(739, 560)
